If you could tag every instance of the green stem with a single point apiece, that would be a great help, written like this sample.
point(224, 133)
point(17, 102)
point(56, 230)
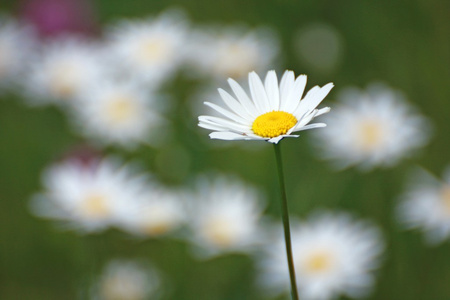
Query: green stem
point(285, 217)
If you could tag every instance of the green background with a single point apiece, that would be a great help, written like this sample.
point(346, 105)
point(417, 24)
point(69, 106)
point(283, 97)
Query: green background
point(403, 43)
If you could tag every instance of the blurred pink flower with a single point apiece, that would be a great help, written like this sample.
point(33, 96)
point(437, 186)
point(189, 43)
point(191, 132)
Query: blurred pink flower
point(60, 17)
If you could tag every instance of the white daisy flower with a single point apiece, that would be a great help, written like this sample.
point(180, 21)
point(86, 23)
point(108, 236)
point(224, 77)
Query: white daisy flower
point(272, 113)
point(157, 213)
point(112, 112)
point(64, 69)
point(127, 280)
point(372, 128)
point(152, 49)
point(17, 45)
point(224, 216)
point(233, 52)
point(333, 255)
point(426, 205)
point(88, 196)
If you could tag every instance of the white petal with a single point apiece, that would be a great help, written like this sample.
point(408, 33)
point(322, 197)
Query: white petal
point(228, 136)
point(243, 98)
point(234, 105)
point(272, 91)
point(309, 126)
point(223, 122)
point(322, 111)
point(313, 98)
point(287, 83)
point(258, 92)
point(226, 113)
point(294, 97)
point(275, 140)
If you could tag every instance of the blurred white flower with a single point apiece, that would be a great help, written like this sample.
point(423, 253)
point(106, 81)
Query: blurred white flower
point(17, 47)
point(117, 112)
point(333, 255)
point(319, 46)
point(233, 52)
point(273, 112)
point(64, 69)
point(149, 50)
point(376, 127)
point(224, 216)
point(158, 212)
point(127, 280)
point(88, 196)
point(425, 205)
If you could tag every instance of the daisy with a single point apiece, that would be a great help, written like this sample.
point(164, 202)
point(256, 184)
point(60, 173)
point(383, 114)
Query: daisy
point(88, 196)
point(224, 216)
point(121, 113)
point(376, 127)
point(65, 68)
point(333, 255)
point(233, 52)
point(426, 205)
point(127, 280)
point(157, 213)
point(152, 49)
point(272, 113)
point(17, 45)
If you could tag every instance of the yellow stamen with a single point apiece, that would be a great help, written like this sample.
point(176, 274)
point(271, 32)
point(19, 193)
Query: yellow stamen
point(120, 109)
point(318, 262)
point(219, 231)
point(153, 50)
point(273, 124)
point(370, 135)
point(445, 197)
point(95, 207)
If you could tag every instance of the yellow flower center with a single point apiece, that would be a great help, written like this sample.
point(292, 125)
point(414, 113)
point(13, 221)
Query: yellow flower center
point(370, 135)
point(120, 109)
point(95, 207)
point(273, 124)
point(153, 50)
point(445, 197)
point(318, 262)
point(219, 232)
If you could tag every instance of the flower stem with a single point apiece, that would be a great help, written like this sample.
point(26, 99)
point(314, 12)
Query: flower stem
point(285, 217)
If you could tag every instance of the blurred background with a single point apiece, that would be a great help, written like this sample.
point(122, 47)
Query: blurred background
point(403, 44)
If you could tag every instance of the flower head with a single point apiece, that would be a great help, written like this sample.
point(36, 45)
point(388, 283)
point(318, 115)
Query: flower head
point(272, 113)
point(232, 51)
point(426, 205)
point(127, 280)
point(224, 214)
point(88, 196)
point(117, 112)
point(333, 254)
point(371, 128)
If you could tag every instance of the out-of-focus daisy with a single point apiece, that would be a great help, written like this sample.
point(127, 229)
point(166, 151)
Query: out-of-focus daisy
point(150, 50)
point(333, 255)
point(17, 44)
point(88, 196)
point(224, 216)
point(157, 213)
point(66, 68)
point(233, 52)
point(426, 205)
point(122, 113)
point(372, 128)
point(319, 46)
point(128, 280)
point(272, 113)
